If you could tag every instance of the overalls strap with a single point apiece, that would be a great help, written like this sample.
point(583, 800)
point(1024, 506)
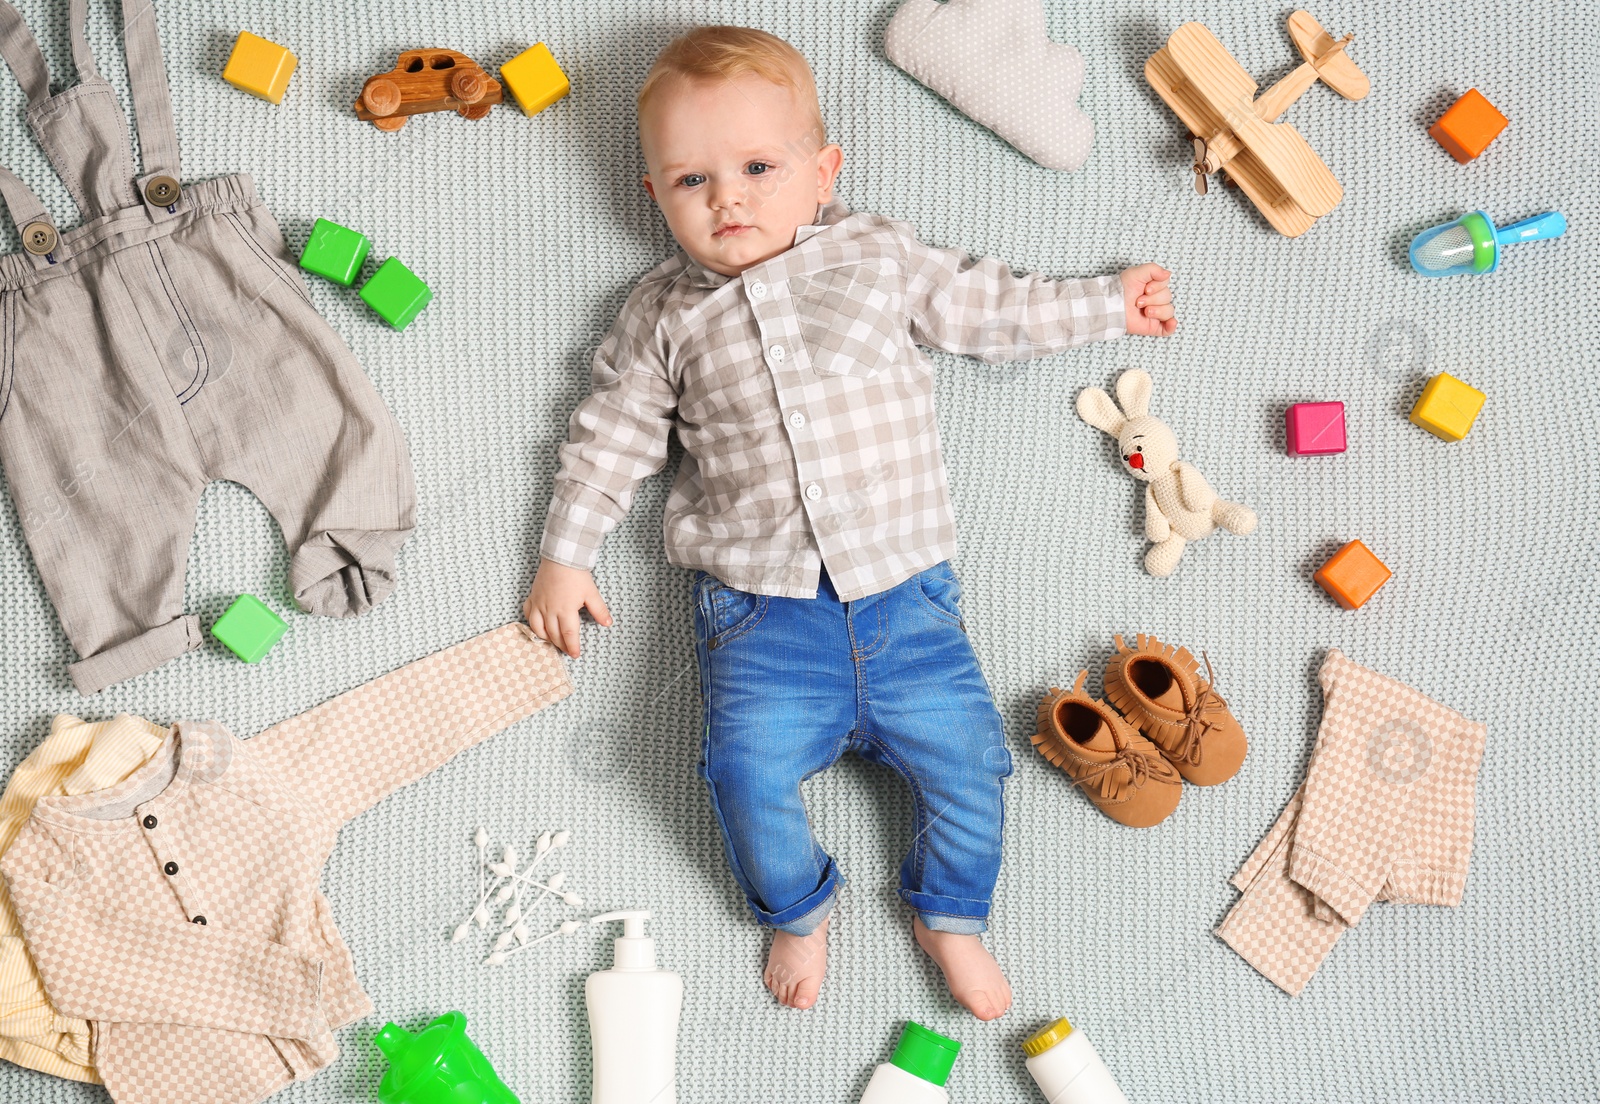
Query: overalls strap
point(147, 82)
point(83, 130)
point(22, 54)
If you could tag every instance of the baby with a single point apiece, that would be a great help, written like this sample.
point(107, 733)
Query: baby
point(811, 503)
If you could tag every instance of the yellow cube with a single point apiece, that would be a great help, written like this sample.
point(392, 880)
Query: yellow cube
point(260, 67)
point(1447, 407)
point(535, 79)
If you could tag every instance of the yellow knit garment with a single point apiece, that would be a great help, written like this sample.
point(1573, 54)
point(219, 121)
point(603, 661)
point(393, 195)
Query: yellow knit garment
point(77, 757)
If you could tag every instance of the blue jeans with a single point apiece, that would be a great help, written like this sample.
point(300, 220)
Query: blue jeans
point(790, 684)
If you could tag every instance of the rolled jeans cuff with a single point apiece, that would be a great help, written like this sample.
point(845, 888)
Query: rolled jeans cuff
point(804, 917)
point(957, 915)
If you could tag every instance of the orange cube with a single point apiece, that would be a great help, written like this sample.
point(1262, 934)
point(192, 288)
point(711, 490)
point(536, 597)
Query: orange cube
point(1468, 127)
point(1352, 575)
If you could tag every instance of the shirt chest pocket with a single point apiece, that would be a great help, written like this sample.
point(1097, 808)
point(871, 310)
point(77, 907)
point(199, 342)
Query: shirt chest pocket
point(851, 316)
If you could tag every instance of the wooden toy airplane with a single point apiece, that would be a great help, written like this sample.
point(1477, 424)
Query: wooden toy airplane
point(1233, 130)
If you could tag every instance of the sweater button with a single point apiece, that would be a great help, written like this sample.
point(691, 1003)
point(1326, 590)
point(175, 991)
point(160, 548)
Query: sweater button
point(149, 822)
point(201, 920)
point(171, 868)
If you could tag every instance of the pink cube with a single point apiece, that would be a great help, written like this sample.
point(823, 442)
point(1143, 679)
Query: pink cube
point(1315, 429)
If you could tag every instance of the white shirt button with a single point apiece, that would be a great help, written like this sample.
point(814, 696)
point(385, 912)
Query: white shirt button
point(797, 419)
point(758, 289)
point(777, 352)
point(813, 492)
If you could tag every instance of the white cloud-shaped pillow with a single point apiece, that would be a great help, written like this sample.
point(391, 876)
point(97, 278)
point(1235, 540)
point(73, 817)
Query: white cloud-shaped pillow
point(995, 62)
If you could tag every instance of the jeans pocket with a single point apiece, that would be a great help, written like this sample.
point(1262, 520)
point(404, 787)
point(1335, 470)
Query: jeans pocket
point(940, 593)
point(724, 613)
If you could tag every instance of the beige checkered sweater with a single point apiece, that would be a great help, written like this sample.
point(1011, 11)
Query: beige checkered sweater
point(178, 911)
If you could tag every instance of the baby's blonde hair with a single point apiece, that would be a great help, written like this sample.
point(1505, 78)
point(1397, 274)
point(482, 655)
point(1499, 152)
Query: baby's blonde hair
point(722, 52)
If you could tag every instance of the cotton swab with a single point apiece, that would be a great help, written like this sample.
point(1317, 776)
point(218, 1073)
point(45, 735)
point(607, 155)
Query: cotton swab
point(499, 957)
point(557, 880)
point(501, 881)
point(479, 913)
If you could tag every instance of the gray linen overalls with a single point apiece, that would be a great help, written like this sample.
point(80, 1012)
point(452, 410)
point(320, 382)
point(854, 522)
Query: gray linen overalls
point(167, 342)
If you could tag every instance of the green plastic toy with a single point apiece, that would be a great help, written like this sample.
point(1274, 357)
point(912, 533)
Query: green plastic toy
point(438, 1066)
point(335, 251)
point(249, 628)
point(396, 293)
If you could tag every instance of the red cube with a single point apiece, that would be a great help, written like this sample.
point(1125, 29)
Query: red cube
point(1315, 429)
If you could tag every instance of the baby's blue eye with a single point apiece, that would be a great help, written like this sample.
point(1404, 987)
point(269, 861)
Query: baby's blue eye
point(758, 168)
point(693, 180)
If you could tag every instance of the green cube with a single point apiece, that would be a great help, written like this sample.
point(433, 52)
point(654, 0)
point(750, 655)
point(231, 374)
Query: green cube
point(335, 251)
point(249, 628)
point(396, 293)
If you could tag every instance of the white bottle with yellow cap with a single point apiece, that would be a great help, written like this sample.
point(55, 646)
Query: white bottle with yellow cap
point(1066, 1068)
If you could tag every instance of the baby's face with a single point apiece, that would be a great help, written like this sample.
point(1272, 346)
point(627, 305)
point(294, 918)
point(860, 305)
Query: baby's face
point(736, 167)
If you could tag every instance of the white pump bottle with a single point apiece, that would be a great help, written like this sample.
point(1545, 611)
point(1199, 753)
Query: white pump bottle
point(633, 1020)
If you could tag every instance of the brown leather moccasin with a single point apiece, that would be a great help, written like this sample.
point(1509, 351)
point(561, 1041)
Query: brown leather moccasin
point(1123, 773)
point(1159, 689)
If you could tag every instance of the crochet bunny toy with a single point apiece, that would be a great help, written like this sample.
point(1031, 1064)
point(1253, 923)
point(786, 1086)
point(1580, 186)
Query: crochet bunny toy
point(1179, 505)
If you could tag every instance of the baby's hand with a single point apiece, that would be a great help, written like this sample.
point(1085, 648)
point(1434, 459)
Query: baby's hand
point(556, 602)
point(1147, 301)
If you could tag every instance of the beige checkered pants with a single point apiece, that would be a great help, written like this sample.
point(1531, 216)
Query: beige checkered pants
point(1385, 814)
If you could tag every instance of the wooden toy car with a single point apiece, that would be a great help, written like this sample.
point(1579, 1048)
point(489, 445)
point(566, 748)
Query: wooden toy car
point(427, 80)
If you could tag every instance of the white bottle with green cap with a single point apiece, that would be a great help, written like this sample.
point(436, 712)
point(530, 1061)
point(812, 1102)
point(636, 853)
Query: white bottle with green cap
point(917, 1072)
point(1067, 1069)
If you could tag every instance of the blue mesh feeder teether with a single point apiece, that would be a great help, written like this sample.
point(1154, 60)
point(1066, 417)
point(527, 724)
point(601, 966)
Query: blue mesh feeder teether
point(1470, 246)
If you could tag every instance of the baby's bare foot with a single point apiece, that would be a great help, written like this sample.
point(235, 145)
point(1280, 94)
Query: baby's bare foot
point(970, 971)
point(795, 966)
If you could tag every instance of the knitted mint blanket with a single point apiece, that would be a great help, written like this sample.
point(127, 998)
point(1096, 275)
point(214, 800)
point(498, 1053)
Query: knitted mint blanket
point(531, 233)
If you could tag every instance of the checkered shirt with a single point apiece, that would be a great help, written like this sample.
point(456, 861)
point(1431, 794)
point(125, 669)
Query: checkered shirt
point(803, 404)
point(178, 911)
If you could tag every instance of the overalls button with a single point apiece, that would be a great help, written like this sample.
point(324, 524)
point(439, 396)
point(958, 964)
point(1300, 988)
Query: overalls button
point(39, 238)
point(162, 191)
